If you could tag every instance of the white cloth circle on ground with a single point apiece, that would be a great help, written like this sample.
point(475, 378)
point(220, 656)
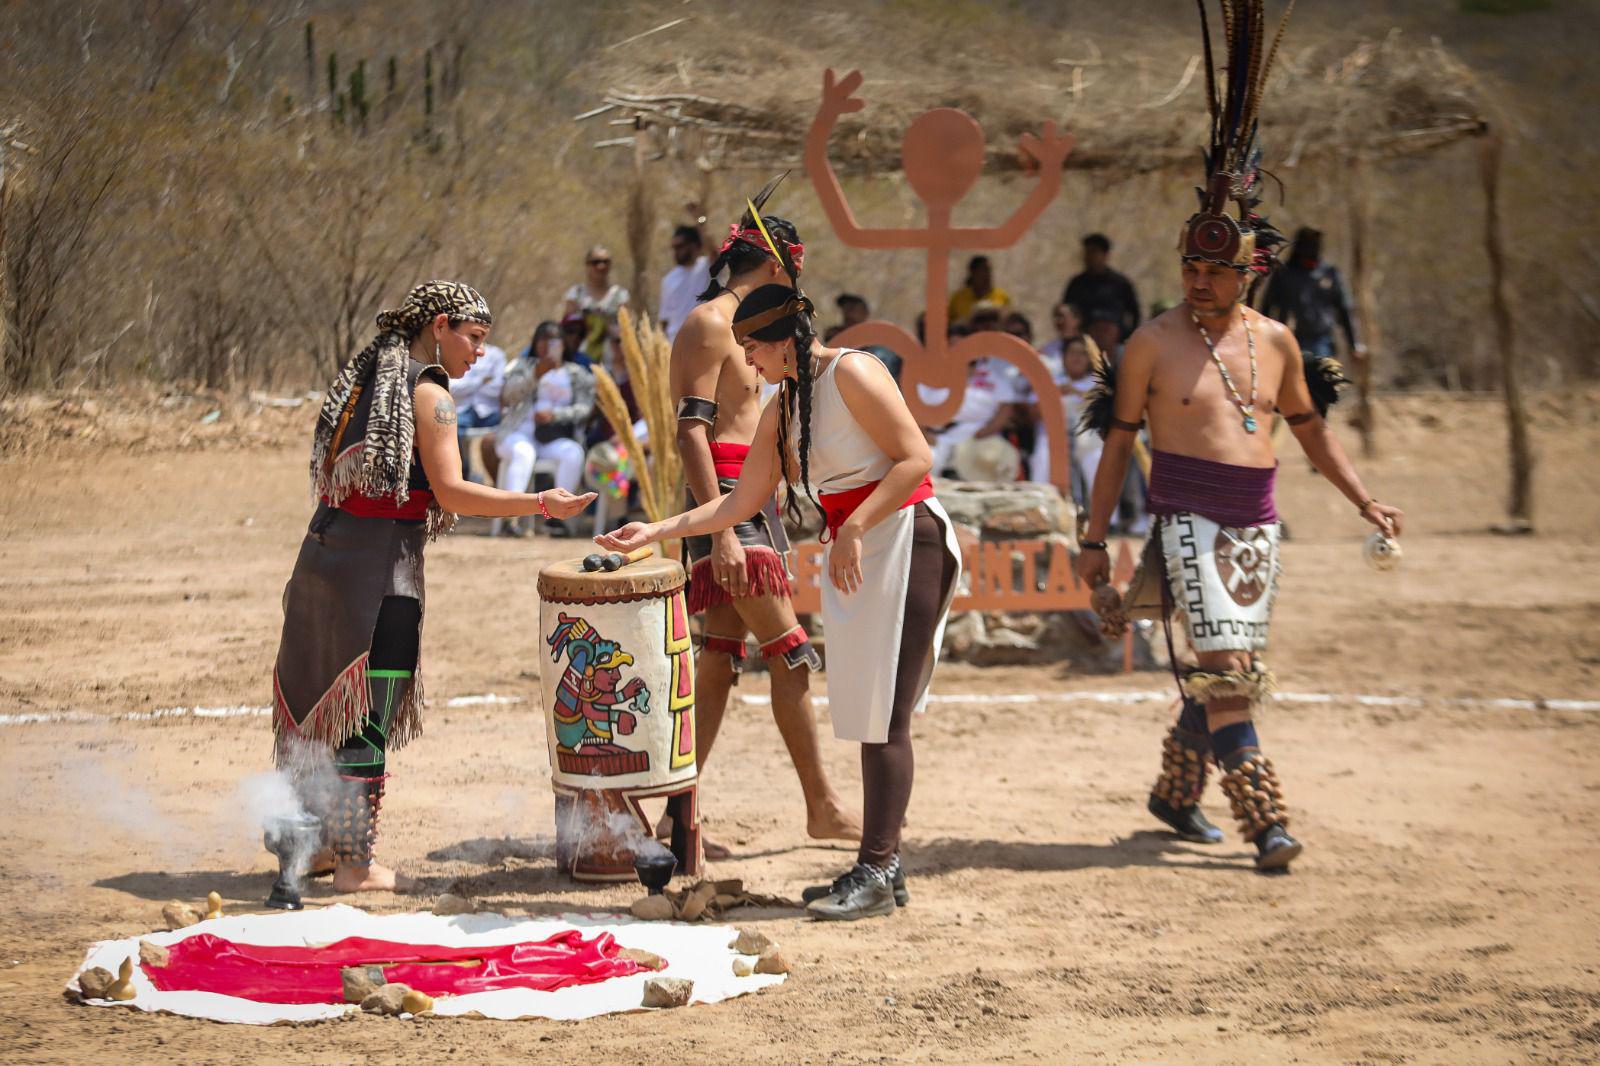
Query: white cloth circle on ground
point(700, 953)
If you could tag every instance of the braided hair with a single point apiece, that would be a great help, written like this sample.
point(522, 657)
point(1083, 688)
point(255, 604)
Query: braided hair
point(742, 257)
point(794, 397)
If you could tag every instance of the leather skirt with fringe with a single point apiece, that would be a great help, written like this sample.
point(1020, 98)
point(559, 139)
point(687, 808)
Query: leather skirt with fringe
point(347, 565)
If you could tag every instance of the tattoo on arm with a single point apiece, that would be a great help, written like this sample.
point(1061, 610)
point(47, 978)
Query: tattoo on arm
point(444, 412)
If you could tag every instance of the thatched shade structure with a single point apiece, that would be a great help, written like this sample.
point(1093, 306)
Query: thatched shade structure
point(1338, 108)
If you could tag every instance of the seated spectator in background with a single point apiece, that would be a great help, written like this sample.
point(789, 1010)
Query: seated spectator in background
point(1074, 381)
point(1131, 517)
point(688, 278)
point(979, 288)
point(549, 398)
point(1019, 325)
point(984, 317)
point(574, 330)
point(1101, 290)
point(616, 365)
point(1068, 326)
point(477, 397)
point(598, 300)
point(853, 310)
point(986, 409)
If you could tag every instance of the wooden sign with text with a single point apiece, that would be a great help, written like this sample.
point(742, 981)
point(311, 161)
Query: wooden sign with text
point(1003, 575)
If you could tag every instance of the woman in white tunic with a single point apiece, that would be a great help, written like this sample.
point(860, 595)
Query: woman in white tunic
point(840, 426)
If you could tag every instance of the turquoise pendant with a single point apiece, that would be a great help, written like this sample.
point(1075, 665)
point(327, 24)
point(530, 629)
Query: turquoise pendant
point(1249, 423)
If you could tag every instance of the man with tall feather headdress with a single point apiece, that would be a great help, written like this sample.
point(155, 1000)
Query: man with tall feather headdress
point(739, 579)
point(1210, 374)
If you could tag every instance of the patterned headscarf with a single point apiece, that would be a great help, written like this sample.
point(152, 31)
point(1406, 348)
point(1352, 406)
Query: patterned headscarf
point(379, 465)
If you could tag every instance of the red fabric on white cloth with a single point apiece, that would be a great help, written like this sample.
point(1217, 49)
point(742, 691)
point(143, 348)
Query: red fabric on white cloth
point(300, 974)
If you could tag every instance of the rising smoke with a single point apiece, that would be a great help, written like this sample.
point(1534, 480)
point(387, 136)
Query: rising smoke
point(304, 785)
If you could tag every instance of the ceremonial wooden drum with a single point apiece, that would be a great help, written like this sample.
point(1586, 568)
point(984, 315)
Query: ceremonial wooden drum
point(617, 674)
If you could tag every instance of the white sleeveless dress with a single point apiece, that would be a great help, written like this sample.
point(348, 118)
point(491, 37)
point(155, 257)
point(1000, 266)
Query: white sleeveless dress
point(863, 628)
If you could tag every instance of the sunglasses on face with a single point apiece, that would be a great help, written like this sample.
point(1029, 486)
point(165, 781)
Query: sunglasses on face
point(599, 262)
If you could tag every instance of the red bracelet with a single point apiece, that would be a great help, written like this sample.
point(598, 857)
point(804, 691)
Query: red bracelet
point(538, 498)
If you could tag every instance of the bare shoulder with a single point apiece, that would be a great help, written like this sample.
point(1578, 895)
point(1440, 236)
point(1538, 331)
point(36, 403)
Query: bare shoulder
point(858, 370)
point(706, 331)
point(711, 315)
point(1270, 327)
point(433, 403)
point(1278, 335)
point(1146, 343)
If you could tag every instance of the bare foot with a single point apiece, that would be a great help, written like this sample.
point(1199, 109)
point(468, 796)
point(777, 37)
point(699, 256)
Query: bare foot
point(833, 823)
point(373, 878)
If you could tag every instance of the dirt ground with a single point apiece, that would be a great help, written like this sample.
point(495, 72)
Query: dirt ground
point(1445, 909)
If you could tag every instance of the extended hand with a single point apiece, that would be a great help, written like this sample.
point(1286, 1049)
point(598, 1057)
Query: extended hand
point(1050, 148)
point(563, 504)
point(839, 98)
point(728, 565)
point(1389, 519)
point(630, 537)
point(844, 561)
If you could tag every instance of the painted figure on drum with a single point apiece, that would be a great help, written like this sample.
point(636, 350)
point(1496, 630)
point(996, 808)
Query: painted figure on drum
point(592, 704)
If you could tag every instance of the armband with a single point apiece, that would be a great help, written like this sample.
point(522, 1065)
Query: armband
point(1131, 427)
point(697, 409)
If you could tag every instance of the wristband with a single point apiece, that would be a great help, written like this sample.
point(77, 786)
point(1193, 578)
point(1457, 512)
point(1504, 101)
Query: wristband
point(538, 498)
point(1092, 545)
point(1367, 503)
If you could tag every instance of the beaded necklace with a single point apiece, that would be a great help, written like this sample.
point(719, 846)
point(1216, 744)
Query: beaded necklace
point(1246, 409)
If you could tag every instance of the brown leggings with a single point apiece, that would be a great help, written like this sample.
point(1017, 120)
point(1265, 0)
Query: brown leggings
point(887, 769)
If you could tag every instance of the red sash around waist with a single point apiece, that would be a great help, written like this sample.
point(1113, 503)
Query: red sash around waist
point(729, 458)
point(839, 506)
point(414, 509)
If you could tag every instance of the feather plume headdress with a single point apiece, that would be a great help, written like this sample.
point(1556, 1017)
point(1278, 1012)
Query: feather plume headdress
point(1245, 241)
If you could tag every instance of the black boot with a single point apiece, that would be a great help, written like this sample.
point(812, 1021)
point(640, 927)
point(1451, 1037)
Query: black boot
point(1257, 800)
point(1175, 797)
point(897, 882)
point(1275, 848)
point(864, 892)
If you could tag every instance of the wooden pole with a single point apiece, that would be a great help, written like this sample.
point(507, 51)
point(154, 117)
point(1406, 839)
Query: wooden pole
point(641, 224)
point(1360, 212)
point(1522, 460)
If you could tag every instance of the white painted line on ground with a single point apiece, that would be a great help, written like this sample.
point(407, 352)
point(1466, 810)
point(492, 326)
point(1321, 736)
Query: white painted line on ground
point(1167, 696)
point(1130, 696)
point(475, 701)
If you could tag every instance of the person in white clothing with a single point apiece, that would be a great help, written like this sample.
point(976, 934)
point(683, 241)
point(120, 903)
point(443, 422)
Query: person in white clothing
point(985, 409)
point(892, 561)
point(477, 398)
point(1068, 326)
point(681, 286)
point(548, 400)
point(1076, 380)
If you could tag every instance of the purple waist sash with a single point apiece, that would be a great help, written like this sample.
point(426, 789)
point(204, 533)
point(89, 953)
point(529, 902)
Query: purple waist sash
point(1229, 495)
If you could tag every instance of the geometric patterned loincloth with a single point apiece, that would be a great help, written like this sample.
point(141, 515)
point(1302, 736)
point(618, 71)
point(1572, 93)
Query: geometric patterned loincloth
point(1223, 580)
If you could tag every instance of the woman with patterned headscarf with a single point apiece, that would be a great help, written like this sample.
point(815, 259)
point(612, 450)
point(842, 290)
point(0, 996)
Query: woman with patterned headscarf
point(386, 468)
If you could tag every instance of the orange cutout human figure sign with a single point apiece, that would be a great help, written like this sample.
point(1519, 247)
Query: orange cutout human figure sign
point(943, 153)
